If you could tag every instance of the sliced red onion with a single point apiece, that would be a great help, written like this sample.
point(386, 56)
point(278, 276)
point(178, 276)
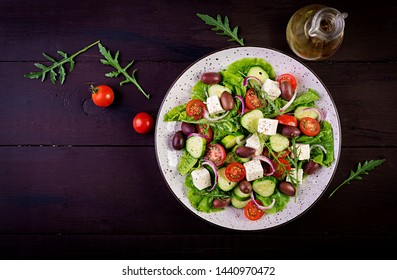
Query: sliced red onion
point(268, 161)
point(321, 114)
point(242, 104)
point(245, 82)
point(208, 118)
point(213, 167)
point(289, 103)
point(261, 207)
point(321, 147)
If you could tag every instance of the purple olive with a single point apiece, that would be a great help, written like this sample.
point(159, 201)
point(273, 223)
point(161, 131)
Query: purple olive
point(244, 152)
point(227, 101)
point(178, 141)
point(287, 188)
point(245, 186)
point(310, 167)
point(220, 203)
point(286, 90)
point(211, 78)
point(290, 131)
point(188, 128)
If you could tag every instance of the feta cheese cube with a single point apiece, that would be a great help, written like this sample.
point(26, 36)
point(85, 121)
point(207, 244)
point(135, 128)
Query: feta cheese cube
point(201, 178)
point(293, 174)
point(272, 88)
point(254, 142)
point(303, 151)
point(267, 126)
point(253, 170)
point(214, 105)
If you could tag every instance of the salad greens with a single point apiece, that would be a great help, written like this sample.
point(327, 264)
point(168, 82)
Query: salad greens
point(230, 131)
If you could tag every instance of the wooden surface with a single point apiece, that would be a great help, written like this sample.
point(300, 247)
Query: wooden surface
point(77, 182)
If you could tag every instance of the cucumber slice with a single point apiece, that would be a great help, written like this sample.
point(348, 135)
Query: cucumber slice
point(259, 73)
point(264, 186)
point(237, 203)
point(230, 157)
point(217, 90)
point(279, 142)
point(195, 145)
point(230, 141)
point(250, 120)
point(224, 183)
point(239, 194)
point(300, 113)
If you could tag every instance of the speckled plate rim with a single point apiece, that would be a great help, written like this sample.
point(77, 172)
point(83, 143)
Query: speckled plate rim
point(240, 223)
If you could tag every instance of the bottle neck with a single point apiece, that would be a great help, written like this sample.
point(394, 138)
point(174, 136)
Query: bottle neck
point(327, 24)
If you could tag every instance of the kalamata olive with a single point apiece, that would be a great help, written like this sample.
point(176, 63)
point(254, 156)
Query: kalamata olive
point(220, 203)
point(227, 101)
point(211, 78)
point(286, 90)
point(245, 186)
point(245, 152)
point(188, 128)
point(287, 188)
point(310, 167)
point(290, 131)
point(178, 141)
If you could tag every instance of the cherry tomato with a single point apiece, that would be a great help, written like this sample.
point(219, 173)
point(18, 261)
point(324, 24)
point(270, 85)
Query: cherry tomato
point(287, 120)
point(235, 172)
point(282, 154)
point(102, 95)
point(195, 108)
point(252, 212)
point(281, 165)
point(251, 100)
point(205, 129)
point(143, 123)
point(309, 126)
point(290, 78)
point(215, 153)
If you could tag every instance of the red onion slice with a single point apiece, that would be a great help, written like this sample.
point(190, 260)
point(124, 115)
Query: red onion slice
point(289, 103)
point(242, 104)
point(321, 114)
point(208, 118)
point(213, 167)
point(321, 147)
point(268, 161)
point(245, 82)
point(261, 207)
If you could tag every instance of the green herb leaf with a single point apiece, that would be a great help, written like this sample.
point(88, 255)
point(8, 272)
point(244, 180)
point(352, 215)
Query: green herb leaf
point(113, 61)
point(223, 27)
point(362, 169)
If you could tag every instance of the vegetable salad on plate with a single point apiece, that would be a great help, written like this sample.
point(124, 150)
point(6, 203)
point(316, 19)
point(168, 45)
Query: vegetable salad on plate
point(248, 139)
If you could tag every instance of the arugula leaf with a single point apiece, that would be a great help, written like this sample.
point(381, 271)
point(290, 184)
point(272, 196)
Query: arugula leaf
point(362, 169)
point(222, 26)
point(113, 61)
point(57, 64)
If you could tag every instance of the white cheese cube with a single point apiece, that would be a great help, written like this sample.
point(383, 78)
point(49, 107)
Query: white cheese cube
point(267, 126)
point(254, 142)
point(303, 151)
point(201, 178)
point(253, 170)
point(293, 174)
point(272, 88)
point(214, 105)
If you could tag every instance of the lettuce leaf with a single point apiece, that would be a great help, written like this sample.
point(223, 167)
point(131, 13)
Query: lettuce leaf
point(186, 163)
point(199, 91)
point(281, 201)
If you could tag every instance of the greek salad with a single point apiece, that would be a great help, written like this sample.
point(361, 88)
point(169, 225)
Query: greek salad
point(248, 139)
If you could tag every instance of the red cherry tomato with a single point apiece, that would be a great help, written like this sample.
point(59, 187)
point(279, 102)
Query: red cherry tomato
point(215, 153)
point(102, 95)
point(143, 123)
point(235, 172)
point(287, 120)
point(252, 212)
point(251, 100)
point(281, 165)
point(195, 108)
point(309, 126)
point(206, 131)
point(290, 78)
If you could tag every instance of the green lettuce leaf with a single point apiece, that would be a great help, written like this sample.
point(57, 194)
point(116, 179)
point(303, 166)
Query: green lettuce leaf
point(186, 163)
point(281, 201)
point(199, 91)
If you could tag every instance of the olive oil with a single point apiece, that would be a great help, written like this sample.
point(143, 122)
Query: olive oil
point(315, 32)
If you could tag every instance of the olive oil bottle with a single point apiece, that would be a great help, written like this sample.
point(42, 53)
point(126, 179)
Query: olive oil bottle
point(315, 32)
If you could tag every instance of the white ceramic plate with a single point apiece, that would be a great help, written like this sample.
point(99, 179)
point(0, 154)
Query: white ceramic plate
point(309, 191)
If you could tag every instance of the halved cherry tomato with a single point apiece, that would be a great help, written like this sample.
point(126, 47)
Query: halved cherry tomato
point(287, 120)
point(251, 100)
point(290, 78)
point(195, 108)
point(309, 126)
point(215, 153)
point(281, 165)
point(205, 129)
point(252, 212)
point(235, 172)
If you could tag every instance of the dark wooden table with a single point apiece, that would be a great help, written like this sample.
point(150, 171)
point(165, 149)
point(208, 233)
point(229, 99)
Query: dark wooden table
point(77, 182)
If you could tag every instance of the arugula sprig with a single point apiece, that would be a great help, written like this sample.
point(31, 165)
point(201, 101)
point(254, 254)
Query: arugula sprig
point(362, 169)
point(224, 27)
point(113, 61)
point(57, 64)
